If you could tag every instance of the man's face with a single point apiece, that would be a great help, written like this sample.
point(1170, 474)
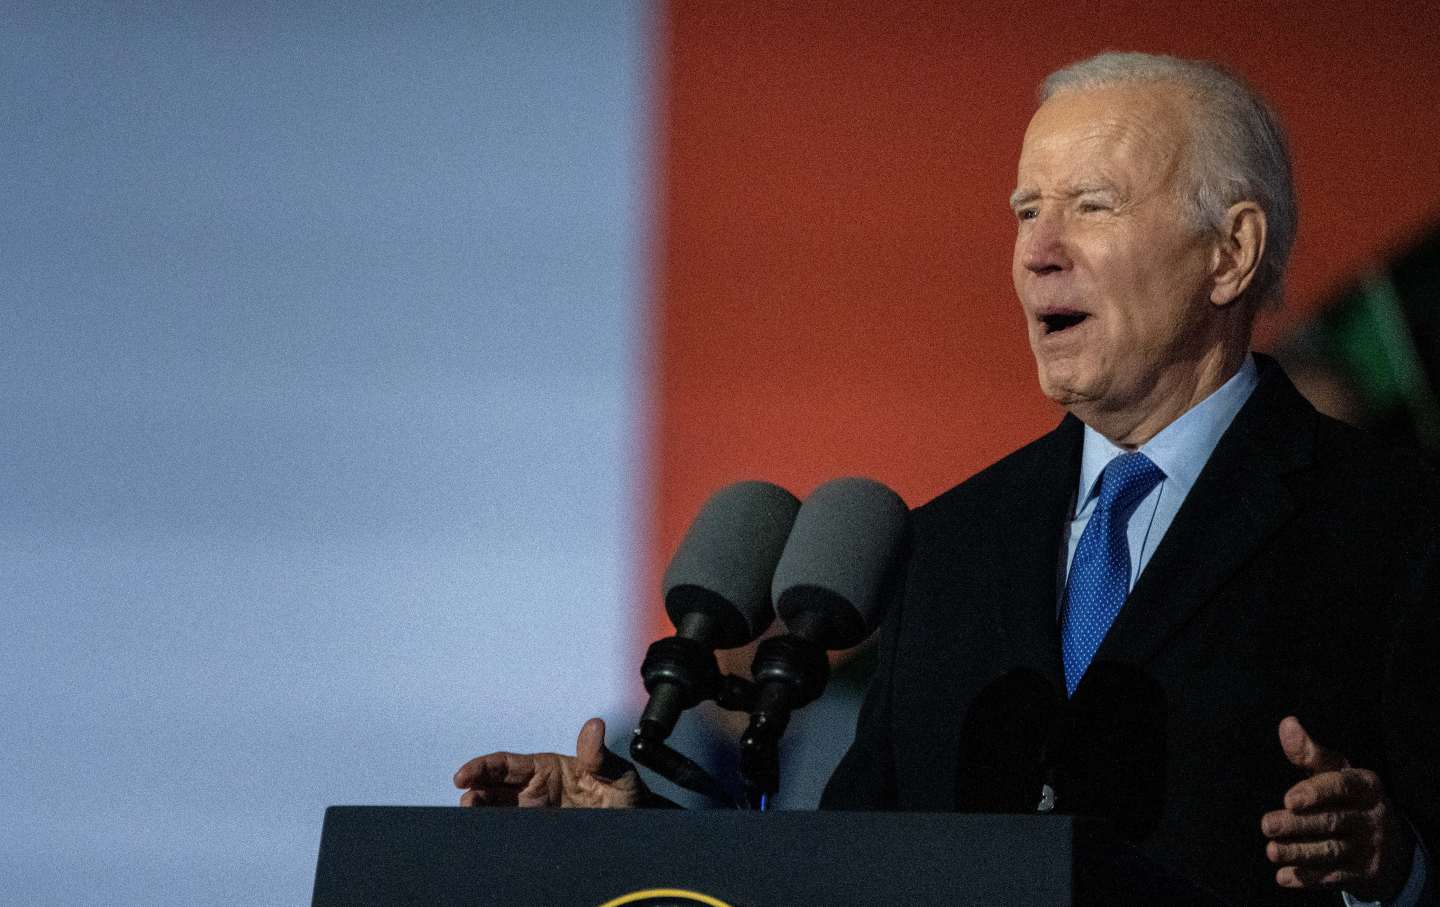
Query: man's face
point(1112, 274)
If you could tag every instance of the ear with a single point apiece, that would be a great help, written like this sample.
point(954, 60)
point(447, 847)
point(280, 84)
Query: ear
point(1238, 247)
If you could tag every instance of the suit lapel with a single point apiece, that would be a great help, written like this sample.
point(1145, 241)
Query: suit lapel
point(1239, 501)
point(1031, 535)
point(984, 578)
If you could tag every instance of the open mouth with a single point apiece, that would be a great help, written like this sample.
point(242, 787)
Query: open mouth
point(1055, 322)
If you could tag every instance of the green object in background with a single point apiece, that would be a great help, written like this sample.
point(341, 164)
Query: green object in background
point(1367, 334)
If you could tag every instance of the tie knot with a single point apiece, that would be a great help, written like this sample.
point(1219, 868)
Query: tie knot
point(1126, 480)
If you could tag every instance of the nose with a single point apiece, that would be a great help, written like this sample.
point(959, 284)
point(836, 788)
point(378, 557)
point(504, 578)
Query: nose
point(1041, 245)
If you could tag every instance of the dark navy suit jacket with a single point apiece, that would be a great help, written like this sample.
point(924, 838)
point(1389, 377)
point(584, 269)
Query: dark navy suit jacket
point(1301, 576)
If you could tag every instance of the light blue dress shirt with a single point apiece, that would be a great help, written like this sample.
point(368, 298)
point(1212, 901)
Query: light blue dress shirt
point(1181, 450)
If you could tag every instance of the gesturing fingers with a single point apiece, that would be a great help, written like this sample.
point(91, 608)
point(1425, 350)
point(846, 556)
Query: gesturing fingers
point(1329, 852)
point(1338, 828)
point(593, 777)
point(1312, 877)
point(590, 746)
point(1305, 752)
point(493, 769)
point(495, 796)
point(546, 788)
point(512, 779)
point(1351, 787)
point(1282, 823)
point(1332, 848)
point(1319, 850)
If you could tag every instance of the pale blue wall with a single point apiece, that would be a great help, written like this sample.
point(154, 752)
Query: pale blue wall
point(321, 353)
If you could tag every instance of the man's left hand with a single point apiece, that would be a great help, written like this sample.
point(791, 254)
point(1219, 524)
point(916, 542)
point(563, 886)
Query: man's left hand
point(1338, 829)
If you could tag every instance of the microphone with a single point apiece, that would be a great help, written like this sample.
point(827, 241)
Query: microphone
point(717, 594)
point(830, 590)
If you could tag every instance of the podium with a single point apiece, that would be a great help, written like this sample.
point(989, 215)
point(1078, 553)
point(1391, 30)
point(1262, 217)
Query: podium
point(589, 858)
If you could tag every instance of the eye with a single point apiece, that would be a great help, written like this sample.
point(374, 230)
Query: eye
point(1091, 207)
point(1027, 213)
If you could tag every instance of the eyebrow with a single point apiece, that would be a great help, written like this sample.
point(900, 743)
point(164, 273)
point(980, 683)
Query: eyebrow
point(1021, 196)
point(1024, 196)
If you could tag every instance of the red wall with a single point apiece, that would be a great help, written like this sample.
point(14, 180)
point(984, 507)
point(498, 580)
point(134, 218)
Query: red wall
point(833, 293)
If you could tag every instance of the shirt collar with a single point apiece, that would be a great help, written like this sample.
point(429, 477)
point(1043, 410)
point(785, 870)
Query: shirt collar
point(1181, 448)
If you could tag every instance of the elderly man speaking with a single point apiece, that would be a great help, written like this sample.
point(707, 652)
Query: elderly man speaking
point(1267, 579)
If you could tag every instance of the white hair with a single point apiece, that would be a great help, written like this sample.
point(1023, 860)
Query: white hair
point(1238, 150)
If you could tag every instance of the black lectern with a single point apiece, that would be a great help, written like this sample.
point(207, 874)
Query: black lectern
point(589, 858)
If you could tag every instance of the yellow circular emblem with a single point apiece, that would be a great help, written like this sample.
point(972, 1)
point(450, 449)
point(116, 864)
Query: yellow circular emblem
point(665, 897)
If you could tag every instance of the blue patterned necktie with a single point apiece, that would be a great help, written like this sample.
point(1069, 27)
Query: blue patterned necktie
point(1100, 573)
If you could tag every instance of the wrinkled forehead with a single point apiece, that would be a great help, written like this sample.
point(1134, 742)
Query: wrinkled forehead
point(1130, 133)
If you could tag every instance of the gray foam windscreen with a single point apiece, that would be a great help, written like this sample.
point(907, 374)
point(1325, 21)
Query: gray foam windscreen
point(846, 536)
point(725, 563)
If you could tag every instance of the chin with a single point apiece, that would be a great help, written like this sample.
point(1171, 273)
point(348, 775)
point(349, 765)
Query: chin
point(1065, 398)
point(1064, 389)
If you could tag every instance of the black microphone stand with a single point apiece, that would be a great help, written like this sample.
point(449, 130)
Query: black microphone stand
point(680, 672)
point(790, 671)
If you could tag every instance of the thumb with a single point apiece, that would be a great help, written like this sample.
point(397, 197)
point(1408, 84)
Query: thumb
point(1303, 752)
point(590, 751)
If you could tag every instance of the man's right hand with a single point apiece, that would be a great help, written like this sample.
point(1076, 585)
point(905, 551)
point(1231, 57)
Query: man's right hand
point(593, 777)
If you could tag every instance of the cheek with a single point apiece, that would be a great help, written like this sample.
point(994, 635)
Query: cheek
point(1128, 276)
point(1171, 277)
point(1137, 296)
